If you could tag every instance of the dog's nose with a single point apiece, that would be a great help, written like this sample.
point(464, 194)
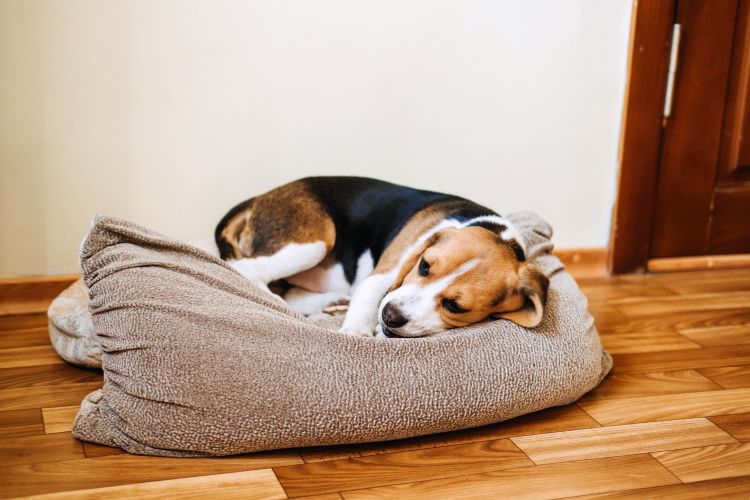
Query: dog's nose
point(392, 316)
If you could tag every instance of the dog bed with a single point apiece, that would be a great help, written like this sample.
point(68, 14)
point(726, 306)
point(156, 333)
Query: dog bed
point(197, 361)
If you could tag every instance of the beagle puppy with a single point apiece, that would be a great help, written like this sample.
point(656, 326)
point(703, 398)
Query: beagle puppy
point(409, 262)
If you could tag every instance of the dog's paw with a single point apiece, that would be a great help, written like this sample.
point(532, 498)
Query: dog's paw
point(337, 306)
point(379, 333)
point(357, 331)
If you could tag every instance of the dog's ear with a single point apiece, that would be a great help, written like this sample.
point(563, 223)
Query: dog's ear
point(533, 287)
point(234, 235)
point(413, 258)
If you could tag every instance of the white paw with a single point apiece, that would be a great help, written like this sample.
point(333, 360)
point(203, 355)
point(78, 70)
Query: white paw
point(379, 332)
point(309, 303)
point(357, 331)
point(339, 305)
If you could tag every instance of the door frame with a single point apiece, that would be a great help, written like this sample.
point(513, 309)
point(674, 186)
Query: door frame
point(640, 138)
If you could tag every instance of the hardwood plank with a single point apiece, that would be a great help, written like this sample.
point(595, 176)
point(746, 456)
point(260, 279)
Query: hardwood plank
point(603, 291)
point(551, 420)
point(8, 308)
point(710, 277)
point(628, 385)
point(692, 283)
point(637, 307)
point(729, 377)
point(401, 467)
point(668, 407)
point(676, 321)
point(671, 375)
point(46, 396)
point(683, 359)
point(46, 375)
point(59, 419)
point(23, 321)
point(646, 342)
point(602, 442)
point(335, 452)
point(707, 462)
point(325, 496)
point(738, 425)
point(29, 356)
point(21, 422)
point(28, 337)
point(97, 450)
point(736, 487)
point(39, 449)
point(115, 470)
point(719, 335)
point(254, 484)
point(557, 419)
point(606, 316)
point(542, 481)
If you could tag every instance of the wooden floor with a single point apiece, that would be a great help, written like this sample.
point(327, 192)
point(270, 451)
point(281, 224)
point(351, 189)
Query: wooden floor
point(671, 421)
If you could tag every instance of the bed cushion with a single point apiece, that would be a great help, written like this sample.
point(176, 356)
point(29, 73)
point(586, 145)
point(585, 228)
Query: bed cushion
point(197, 361)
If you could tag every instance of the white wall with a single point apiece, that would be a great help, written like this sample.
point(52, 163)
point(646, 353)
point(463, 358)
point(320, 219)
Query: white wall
point(168, 112)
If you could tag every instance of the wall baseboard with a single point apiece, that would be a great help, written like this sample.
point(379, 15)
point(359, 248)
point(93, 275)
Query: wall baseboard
point(701, 262)
point(31, 294)
point(584, 262)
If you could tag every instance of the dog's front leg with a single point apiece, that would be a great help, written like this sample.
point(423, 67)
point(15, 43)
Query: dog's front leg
point(362, 316)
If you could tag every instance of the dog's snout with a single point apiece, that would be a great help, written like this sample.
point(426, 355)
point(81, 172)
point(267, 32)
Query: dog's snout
point(393, 317)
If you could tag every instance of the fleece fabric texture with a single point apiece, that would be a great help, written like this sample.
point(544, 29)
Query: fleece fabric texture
point(198, 361)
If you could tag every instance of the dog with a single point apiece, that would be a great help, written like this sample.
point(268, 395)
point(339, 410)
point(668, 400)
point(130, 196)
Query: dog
point(410, 262)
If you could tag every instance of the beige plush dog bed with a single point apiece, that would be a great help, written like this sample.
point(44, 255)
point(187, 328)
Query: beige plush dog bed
point(197, 361)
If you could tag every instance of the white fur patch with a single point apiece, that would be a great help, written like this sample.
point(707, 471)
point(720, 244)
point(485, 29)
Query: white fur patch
point(335, 280)
point(365, 265)
point(417, 303)
point(309, 303)
point(332, 279)
point(288, 261)
point(362, 315)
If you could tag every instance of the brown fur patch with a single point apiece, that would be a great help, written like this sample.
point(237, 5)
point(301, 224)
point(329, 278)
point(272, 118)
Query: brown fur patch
point(420, 223)
point(287, 214)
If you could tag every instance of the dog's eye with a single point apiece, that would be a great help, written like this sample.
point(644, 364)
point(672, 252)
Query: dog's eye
point(424, 268)
point(452, 306)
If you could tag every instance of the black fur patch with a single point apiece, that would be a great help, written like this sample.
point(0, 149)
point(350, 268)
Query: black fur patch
point(517, 249)
point(369, 213)
point(490, 226)
point(499, 298)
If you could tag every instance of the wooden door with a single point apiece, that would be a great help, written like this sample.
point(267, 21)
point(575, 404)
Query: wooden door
point(685, 181)
point(702, 203)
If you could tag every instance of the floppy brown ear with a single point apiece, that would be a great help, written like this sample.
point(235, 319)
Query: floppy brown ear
point(412, 260)
point(533, 287)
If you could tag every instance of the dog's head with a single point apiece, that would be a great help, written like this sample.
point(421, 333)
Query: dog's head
point(460, 276)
